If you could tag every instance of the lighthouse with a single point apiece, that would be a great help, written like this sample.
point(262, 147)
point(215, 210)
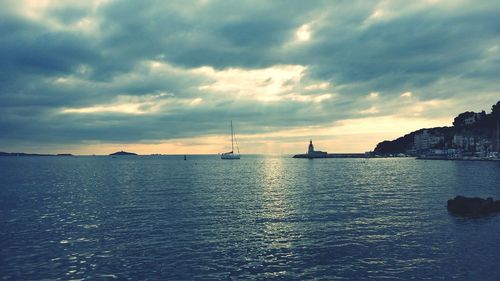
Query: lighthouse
point(310, 151)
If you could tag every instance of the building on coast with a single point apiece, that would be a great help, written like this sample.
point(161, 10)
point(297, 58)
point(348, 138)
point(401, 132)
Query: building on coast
point(315, 153)
point(312, 154)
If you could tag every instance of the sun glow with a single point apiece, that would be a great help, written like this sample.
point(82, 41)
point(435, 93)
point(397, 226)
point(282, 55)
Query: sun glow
point(351, 135)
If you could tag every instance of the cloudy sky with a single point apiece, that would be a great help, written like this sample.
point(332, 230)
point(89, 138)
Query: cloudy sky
point(98, 76)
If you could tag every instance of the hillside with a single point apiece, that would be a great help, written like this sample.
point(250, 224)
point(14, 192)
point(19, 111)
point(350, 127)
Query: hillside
point(471, 133)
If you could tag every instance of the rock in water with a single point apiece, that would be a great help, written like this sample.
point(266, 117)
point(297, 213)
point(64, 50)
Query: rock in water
point(464, 206)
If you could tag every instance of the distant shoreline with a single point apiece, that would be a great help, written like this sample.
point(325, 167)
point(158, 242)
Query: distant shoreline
point(333, 155)
point(22, 154)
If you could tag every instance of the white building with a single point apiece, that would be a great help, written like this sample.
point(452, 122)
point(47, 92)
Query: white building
point(426, 140)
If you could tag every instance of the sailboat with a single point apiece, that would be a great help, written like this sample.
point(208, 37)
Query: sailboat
point(231, 155)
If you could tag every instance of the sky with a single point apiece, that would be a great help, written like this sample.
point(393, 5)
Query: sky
point(98, 76)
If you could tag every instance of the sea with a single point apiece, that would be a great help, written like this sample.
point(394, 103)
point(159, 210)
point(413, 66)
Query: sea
point(257, 218)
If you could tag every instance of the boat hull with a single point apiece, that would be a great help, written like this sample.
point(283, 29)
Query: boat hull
point(230, 156)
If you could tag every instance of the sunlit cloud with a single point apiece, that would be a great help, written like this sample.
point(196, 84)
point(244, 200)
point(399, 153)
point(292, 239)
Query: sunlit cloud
point(303, 33)
point(320, 86)
point(406, 94)
point(309, 98)
point(371, 110)
point(261, 84)
point(118, 108)
point(493, 49)
point(41, 12)
point(373, 95)
point(283, 76)
point(379, 14)
point(419, 108)
point(148, 104)
point(387, 10)
point(271, 84)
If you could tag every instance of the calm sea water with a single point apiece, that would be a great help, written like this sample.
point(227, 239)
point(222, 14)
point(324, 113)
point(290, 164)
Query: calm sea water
point(252, 219)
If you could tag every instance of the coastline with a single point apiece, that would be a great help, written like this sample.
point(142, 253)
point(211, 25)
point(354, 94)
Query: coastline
point(457, 159)
point(333, 155)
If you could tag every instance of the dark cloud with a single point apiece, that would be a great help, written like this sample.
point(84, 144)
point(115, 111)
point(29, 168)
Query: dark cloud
point(81, 56)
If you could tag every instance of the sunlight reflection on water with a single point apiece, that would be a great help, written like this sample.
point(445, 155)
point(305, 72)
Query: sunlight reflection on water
point(256, 218)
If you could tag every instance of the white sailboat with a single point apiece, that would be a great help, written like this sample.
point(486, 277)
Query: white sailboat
point(231, 155)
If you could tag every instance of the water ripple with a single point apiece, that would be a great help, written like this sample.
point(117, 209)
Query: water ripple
point(259, 218)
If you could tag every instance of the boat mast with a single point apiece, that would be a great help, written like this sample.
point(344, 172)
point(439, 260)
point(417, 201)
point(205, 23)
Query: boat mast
point(232, 146)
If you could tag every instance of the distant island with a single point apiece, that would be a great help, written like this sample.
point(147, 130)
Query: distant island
point(122, 153)
point(32, 154)
point(474, 135)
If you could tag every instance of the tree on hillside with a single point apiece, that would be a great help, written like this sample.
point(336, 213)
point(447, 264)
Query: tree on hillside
point(495, 115)
point(495, 111)
point(460, 119)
